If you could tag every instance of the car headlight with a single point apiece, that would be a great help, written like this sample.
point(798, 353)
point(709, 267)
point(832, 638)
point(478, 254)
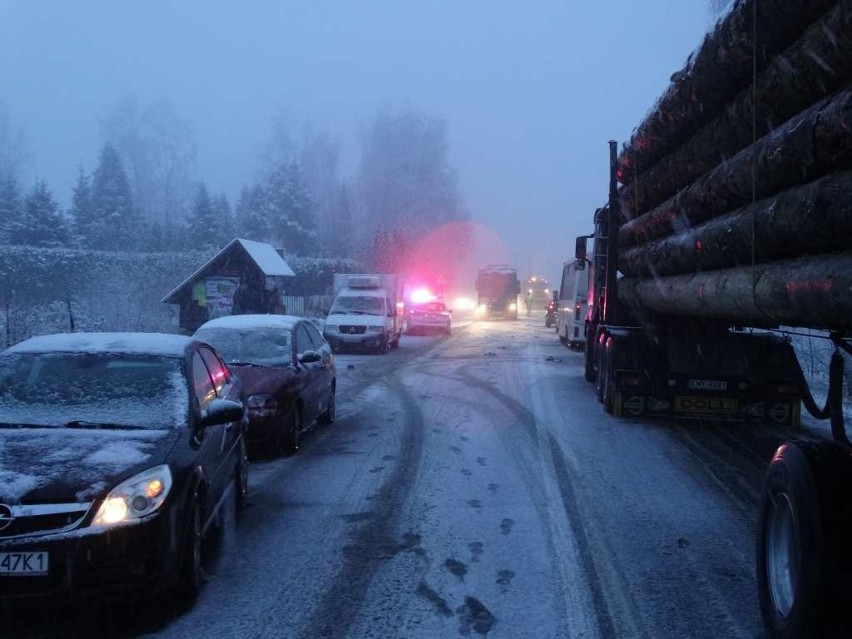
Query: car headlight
point(135, 498)
point(375, 329)
point(261, 404)
point(513, 307)
point(481, 308)
point(330, 328)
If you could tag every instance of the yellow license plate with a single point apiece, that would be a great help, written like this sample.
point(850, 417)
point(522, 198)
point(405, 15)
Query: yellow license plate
point(707, 405)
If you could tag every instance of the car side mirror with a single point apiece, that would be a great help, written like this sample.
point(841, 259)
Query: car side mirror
point(309, 357)
point(221, 411)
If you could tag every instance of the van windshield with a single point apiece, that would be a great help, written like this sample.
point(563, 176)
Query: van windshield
point(358, 305)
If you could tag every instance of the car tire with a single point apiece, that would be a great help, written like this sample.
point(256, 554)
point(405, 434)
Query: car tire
point(241, 479)
point(383, 347)
point(330, 413)
point(803, 555)
point(448, 332)
point(291, 434)
point(395, 343)
point(191, 572)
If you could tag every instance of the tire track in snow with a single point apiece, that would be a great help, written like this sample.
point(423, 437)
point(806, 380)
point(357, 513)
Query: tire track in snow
point(373, 541)
point(602, 618)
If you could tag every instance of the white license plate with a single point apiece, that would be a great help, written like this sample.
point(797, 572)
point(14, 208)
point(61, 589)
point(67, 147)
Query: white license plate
point(23, 563)
point(707, 385)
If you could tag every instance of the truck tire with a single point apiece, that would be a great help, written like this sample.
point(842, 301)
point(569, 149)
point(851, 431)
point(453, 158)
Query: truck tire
point(589, 364)
point(611, 395)
point(803, 553)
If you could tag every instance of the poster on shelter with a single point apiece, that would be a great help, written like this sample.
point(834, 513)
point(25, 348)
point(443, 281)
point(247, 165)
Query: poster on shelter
point(220, 295)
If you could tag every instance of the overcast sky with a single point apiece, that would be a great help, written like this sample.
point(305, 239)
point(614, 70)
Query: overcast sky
point(531, 91)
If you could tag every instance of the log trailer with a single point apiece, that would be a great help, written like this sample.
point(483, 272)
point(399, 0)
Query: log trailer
point(729, 216)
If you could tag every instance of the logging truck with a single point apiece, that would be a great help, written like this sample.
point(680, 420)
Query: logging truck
point(729, 215)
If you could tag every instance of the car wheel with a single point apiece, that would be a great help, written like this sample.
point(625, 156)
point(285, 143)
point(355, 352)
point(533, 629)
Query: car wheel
point(330, 413)
point(803, 556)
point(241, 479)
point(448, 332)
point(191, 574)
point(383, 347)
point(395, 344)
point(291, 434)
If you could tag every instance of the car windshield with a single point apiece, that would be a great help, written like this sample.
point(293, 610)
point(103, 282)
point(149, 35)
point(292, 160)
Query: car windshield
point(358, 305)
point(103, 390)
point(265, 346)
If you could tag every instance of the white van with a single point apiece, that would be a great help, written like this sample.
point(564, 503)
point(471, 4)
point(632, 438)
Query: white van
point(573, 302)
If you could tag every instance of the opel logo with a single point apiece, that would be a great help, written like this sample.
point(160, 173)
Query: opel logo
point(6, 517)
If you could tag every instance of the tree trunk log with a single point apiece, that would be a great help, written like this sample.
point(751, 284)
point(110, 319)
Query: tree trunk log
point(816, 65)
point(805, 220)
point(718, 70)
point(811, 291)
point(811, 145)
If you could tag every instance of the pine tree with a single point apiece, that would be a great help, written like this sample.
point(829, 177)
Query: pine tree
point(201, 223)
point(41, 223)
point(10, 206)
point(292, 219)
point(224, 219)
point(256, 215)
point(81, 212)
point(341, 240)
point(116, 224)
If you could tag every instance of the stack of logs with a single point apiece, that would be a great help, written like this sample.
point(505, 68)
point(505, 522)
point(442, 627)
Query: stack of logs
point(736, 196)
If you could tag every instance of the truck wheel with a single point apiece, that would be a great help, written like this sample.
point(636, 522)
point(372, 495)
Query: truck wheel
point(803, 556)
point(589, 367)
point(612, 398)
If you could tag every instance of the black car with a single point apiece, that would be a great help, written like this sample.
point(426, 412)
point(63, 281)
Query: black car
point(287, 372)
point(119, 452)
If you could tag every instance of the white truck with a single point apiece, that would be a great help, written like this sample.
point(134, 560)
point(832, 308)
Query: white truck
point(573, 302)
point(366, 312)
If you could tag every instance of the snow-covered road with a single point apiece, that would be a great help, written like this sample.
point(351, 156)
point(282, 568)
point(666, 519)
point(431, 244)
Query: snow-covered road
point(473, 486)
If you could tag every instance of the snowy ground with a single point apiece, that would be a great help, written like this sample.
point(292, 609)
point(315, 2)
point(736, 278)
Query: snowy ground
point(473, 486)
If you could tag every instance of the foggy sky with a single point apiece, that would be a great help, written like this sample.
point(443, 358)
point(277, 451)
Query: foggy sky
point(531, 91)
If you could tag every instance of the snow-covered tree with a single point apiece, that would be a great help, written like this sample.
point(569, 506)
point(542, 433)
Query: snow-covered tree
point(13, 146)
point(339, 238)
point(41, 223)
point(10, 205)
point(291, 209)
point(209, 222)
point(408, 186)
point(159, 151)
point(81, 213)
point(115, 224)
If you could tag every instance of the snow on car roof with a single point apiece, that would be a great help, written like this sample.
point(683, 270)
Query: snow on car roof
point(130, 343)
point(251, 321)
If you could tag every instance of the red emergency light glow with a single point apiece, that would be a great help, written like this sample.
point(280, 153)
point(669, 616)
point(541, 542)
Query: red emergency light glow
point(421, 295)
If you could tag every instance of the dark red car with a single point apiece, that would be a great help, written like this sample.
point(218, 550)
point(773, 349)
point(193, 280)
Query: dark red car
point(287, 373)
